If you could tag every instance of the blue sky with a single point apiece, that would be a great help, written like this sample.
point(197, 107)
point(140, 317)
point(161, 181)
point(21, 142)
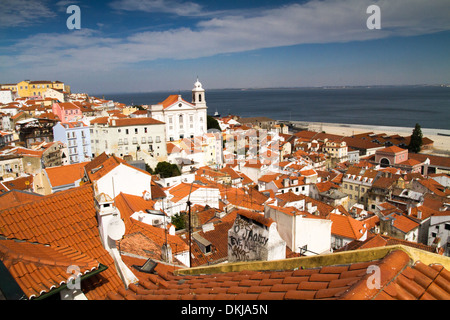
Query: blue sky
point(154, 45)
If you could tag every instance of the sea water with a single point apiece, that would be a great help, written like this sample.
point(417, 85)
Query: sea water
point(398, 106)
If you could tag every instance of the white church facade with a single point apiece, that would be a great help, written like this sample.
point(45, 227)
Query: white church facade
point(183, 119)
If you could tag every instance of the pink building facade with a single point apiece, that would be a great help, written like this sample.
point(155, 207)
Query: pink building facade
point(67, 111)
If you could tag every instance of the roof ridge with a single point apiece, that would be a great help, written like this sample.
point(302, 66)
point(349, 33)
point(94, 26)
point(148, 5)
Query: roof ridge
point(390, 267)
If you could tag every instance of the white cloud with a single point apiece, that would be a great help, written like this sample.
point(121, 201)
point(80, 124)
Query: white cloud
point(312, 22)
point(23, 12)
point(177, 7)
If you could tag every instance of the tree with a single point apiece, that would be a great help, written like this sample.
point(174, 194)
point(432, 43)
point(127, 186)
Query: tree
point(167, 170)
point(179, 221)
point(415, 143)
point(212, 123)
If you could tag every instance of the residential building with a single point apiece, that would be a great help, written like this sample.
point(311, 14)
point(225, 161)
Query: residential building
point(140, 138)
point(336, 149)
point(439, 231)
point(399, 226)
point(59, 178)
point(356, 182)
point(345, 229)
point(182, 119)
point(56, 94)
point(76, 136)
point(254, 237)
point(67, 111)
point(391, 156)
point(111, 176)
point(32, 130)
point(178, 195)
point(35, 89)
point(7, 96)
point(303, 232)
point(6, 138)
point(382, 190)
point(258, 122)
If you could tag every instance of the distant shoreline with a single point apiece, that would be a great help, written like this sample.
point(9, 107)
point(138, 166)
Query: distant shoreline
point(440, 137)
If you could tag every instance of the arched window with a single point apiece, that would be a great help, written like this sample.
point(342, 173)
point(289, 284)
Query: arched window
point(384, 162)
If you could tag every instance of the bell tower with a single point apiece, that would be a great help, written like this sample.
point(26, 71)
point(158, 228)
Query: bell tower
point(198, 95)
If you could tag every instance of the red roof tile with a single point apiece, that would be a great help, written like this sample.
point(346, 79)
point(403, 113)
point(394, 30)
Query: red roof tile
point(64, 219)
point(400, 279)
point(38, 269)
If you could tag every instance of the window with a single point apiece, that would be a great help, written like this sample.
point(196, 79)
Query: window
point(447, 226)
point(145, 129)
point(126, 131)
point(150, 140)
point(136, 130)
point(143, 140)
point(158, 139)
point(134, 140)
point(125, 141)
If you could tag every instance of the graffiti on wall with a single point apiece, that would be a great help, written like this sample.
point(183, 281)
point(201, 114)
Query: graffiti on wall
point(246, 240)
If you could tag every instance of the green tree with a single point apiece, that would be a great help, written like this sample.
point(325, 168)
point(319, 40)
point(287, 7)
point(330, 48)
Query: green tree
point(167, 170)
point(415, 143)
point(179, 221)
point(212, 123)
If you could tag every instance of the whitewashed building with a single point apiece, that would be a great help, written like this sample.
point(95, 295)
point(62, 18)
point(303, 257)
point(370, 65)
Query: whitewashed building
point(183, 119)
point(439, 231)
point(303, 232)
point(138, 138)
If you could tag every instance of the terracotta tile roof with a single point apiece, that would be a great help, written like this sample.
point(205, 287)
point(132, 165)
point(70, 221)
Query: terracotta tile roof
point(38, 269)
point(22, 183)
point(392, 149)
point(157, 235)
point(410, 163)
point(438, 161)
point(123, 122)
point(380, 240)
point(170, 100)
point(403, 223)
point(325, 186)
point(347, 227)
point(250, 198)
point(268, 177)
point(63, 175)
point(129, 204)
point(67, 218)
point(16, 197)
point(68, 106)
point(400, 278)
point(103, 164)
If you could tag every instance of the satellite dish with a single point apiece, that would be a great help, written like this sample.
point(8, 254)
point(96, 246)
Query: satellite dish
point(116, 228)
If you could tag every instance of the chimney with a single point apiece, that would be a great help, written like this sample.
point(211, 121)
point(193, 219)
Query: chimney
point(419, 214)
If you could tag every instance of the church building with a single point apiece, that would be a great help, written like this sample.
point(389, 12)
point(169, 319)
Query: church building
point(183, 119)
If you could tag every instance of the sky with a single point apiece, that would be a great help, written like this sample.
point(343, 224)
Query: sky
point(164, 45)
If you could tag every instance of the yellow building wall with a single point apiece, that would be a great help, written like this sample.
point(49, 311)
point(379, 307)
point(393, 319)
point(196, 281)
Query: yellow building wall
point(27, 89)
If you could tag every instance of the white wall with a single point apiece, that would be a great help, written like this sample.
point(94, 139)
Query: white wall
point(315, 233)
point(127, 180)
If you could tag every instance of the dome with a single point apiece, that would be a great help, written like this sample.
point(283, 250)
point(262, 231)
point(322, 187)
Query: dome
point(198, 86)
